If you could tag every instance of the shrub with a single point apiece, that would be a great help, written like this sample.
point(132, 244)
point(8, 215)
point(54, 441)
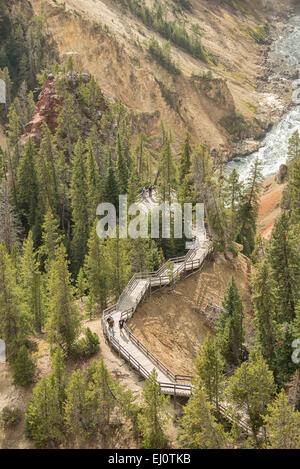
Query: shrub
point(10, 416)
point(87, 346)
point(155, 18)
point(235, 125)
point(170, 96)
point(23, 368)
point(259, 34)
point(163, 55)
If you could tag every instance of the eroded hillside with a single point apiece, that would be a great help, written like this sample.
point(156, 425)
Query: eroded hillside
point(172, 324)
point(216, 98)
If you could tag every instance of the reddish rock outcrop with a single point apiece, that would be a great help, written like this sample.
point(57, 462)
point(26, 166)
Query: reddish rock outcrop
point(47, 111)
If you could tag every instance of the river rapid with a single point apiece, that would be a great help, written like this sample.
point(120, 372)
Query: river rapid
point(274, 150)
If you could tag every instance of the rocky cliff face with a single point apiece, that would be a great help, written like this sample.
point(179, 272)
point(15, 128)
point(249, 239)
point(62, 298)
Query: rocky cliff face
point(47, 111)
point(217, 101)
point(50, 104)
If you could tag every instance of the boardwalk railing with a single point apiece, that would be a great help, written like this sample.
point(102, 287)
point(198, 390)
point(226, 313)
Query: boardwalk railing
point(156, 279)
point(168, 388)
point(184, 260)
point(180, 385)
point(156, 360)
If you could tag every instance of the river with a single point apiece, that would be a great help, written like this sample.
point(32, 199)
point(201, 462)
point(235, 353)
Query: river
point(273, 152)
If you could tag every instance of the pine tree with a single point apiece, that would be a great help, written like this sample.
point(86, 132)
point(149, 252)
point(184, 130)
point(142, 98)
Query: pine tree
point(80, 214)
point(296, 323)
point(13, 327)
point(104, 393)
point(133, 187)
point(122, 167)
point(167, 173)
point(67, 127)
point(96, 268)
point(265, 302)
point(23, 368)
point(294, 146)
point(93, 184)
point(284, 259)
point(199, 429)
point(63, 177)
point(31, 284)
point(63, 323)
point(3, 164)
point(94, 142)
point(232, 194)
point(144, 255)
point(284, 367)
point(152, 419)
point(118, 267)
point(251, 389)
point(79, 406)
point(142, 158)
point(47, 173)
point(184, 173)
point(185, 160)
point(202, 171)
point(282, 424)
point(10, 230)
point(30, 107)
point(14, 130)
point(43, 417)
point(27, 187)
point(58, 376)
point(51, 238)
point(230, 325)
point(81, 284)
point(218, 217)
point(293, 189)
point(248, 209)
point(111, 188)
point(210, 370)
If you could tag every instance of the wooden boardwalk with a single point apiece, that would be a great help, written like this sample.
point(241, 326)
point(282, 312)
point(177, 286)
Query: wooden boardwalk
point(139, 356)
point(130, 347)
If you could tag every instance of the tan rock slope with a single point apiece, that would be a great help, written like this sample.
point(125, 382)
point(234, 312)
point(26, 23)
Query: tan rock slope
point(269, 206)
point(110, 42)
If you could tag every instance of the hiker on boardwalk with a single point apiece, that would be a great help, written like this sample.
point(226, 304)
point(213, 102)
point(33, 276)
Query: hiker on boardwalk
point(150, 191)
point(143, 192)
point(121, 325)
point(111, 326)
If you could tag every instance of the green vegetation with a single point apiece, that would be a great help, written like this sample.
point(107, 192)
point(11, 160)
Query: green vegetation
point(259, 34)
point(235, 125)
point(10, 417)
point(163, 55)
point(23, 368)
point(230, 326)
point(152, 418)
point(55, 272)
point(25, 49)
point(172, 31)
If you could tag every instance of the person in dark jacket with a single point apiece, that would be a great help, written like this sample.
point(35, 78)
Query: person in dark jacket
point(121, 325)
